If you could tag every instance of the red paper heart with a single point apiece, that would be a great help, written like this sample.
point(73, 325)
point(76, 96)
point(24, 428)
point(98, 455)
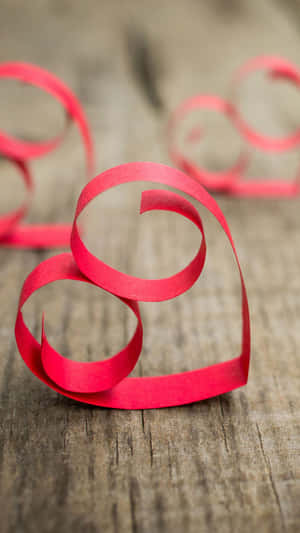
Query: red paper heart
point(231, 181)
point(12, 232)
point(80, 380)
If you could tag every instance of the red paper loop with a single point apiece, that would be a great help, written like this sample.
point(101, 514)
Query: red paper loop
point(146, 290)
point(38, 77)
point(218, 181)
point(113, 389)
point(53, 235)
point(276, 67)
point(232, 181)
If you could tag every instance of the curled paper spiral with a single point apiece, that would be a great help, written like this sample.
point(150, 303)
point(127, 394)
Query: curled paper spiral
point(231, 181)
point(106, 383)
point(12, 231)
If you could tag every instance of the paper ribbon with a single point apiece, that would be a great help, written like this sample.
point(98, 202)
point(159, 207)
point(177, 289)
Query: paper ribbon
point(12, 231)
point(232, 181)
point(106, 383)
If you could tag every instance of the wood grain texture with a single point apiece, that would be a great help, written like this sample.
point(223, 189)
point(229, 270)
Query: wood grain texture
point(229, 464)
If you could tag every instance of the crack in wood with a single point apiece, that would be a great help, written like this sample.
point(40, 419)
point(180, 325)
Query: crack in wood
point(169, 461)
point(222, 424)
point(270, 475)
point(117, 449)
point(130, 444)
point(143, 420)
point(151, 448)
point(133, 494)
point(114, 513)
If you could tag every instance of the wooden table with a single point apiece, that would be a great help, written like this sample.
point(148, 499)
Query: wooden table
point(229, 464)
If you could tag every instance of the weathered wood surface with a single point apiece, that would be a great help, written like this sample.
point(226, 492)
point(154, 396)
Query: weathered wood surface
point(227, 464)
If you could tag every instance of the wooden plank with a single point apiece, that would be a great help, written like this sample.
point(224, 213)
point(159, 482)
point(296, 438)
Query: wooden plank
point(230, 463)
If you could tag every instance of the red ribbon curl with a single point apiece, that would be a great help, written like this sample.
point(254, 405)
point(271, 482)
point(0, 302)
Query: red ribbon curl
point(12, 231)
point(106, 383)
point(232, 181)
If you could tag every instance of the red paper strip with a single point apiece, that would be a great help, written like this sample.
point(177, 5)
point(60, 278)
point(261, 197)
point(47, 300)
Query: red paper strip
point(276, 67)
point(220, 181)
point(12, 233)
point(232, 181)
point(105, 383)
point(9, 222)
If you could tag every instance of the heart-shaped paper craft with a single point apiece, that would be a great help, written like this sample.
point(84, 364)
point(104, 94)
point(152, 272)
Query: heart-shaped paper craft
point(105, 383)
point(12, 232)
point(231, 181)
